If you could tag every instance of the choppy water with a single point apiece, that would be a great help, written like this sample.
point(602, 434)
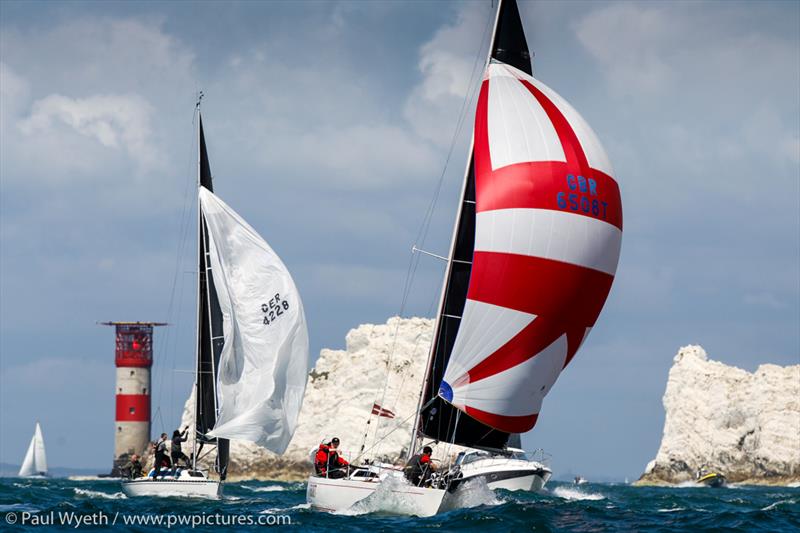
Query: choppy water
point(563, 507)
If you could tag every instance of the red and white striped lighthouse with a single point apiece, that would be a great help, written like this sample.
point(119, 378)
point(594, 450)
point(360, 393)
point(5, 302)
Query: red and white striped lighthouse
point(133, 358)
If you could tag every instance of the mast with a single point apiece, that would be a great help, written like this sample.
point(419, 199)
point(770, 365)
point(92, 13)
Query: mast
point(435, 417)
point(209, 325)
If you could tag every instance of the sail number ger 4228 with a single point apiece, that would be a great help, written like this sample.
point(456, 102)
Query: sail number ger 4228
point(273, 309)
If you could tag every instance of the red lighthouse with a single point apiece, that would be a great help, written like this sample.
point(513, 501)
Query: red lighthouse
point(133, 357)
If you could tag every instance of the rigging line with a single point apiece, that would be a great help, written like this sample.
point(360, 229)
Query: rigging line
point(469, 95)
point(182, 240)
point(375, 444)
point(425, 226)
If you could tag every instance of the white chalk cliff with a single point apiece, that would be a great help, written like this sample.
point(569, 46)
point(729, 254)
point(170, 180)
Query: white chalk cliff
point(746, 425)
point(338, 401)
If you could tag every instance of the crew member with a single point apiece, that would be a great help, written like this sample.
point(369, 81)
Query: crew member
point(133, 468)
point(328, 463)
point(175, 450)
point(161, 457)
point(419, 468)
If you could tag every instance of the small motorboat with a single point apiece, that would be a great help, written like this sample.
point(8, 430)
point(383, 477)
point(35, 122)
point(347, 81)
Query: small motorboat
point(580, 480)
point(510, 470)
point(711, 479)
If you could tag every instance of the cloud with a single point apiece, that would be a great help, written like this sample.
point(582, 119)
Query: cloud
point(450, 64)
point(115, 121)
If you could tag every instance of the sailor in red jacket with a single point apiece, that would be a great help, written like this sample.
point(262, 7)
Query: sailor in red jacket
point(328, 463)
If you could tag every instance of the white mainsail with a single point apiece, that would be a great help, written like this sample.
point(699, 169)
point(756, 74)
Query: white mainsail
point(264, 362)
point(35, 462)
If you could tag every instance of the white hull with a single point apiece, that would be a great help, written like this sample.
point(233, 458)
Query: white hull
point(185, 486)
point(507, 473)
point(336, 495)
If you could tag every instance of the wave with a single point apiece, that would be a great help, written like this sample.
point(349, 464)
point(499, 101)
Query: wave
point(671, 510)
point(98, 494)
point(569, 493)
point(473, 493)
point(268, 488)
point(4, 508)
point(777, 504)
point(275, 510)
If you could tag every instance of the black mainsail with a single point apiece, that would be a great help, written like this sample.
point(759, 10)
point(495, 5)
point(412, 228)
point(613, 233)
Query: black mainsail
point(209, 331)
point(438, 419)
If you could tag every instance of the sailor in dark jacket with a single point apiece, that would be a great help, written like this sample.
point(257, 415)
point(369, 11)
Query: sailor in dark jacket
point(419, 468)
point(133, 468)
point(161, 457)
point(175, 450)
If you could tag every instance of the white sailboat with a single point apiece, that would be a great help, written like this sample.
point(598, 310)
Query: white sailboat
point(35, 462)
point(532, 259)
point(252, 346)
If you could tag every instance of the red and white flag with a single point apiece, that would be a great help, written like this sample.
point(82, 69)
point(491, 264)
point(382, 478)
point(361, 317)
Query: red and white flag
point(380, 411)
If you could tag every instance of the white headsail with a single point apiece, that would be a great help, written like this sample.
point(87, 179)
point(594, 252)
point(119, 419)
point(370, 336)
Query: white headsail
point(35, 462)
point(264, 363)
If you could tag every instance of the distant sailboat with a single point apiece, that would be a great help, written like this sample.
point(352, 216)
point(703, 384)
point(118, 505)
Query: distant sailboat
point(252, 345)
point(35, 462)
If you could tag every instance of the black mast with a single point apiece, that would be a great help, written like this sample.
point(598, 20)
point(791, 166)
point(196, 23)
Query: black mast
point(438, 419)
point(209, 329)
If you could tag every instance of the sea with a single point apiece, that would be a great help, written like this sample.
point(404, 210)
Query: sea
point(98, 504)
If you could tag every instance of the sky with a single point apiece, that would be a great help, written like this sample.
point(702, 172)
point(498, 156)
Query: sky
point(329, 126)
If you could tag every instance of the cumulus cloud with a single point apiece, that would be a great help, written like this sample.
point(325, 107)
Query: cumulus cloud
point(115, 121)
point(450, 64)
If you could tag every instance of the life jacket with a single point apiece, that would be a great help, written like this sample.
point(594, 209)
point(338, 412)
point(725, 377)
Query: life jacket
point(321, 459)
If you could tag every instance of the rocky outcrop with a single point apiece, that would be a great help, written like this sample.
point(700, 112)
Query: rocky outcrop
point(746, 425)
point(340, 392)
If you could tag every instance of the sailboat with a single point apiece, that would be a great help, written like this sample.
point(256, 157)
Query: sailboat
point(533, 255)
point(252, 346)
point(35, 462)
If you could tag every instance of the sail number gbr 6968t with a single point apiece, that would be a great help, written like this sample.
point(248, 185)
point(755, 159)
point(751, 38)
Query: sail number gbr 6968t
point(582, 200)
point(273, 309)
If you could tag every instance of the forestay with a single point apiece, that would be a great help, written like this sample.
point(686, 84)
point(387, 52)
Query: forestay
point(264, 362)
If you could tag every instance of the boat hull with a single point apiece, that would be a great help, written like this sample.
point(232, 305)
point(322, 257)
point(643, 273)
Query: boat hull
point(507, 474)
point(713, 480)
point(181, 488)
point(336, 495)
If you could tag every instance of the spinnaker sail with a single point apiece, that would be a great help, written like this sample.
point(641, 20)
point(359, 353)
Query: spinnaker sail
point(534, 253)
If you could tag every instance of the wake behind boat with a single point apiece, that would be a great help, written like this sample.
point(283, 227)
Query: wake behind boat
point(35, 463)
point(533, 255)
point(252, 348)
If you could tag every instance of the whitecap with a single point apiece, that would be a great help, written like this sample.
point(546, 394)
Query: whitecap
point(268, 488)
point(98, 494)
point(778, 503)
point(569, 493)
point(274, 510)
point(473, 493)
point(671, 510)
